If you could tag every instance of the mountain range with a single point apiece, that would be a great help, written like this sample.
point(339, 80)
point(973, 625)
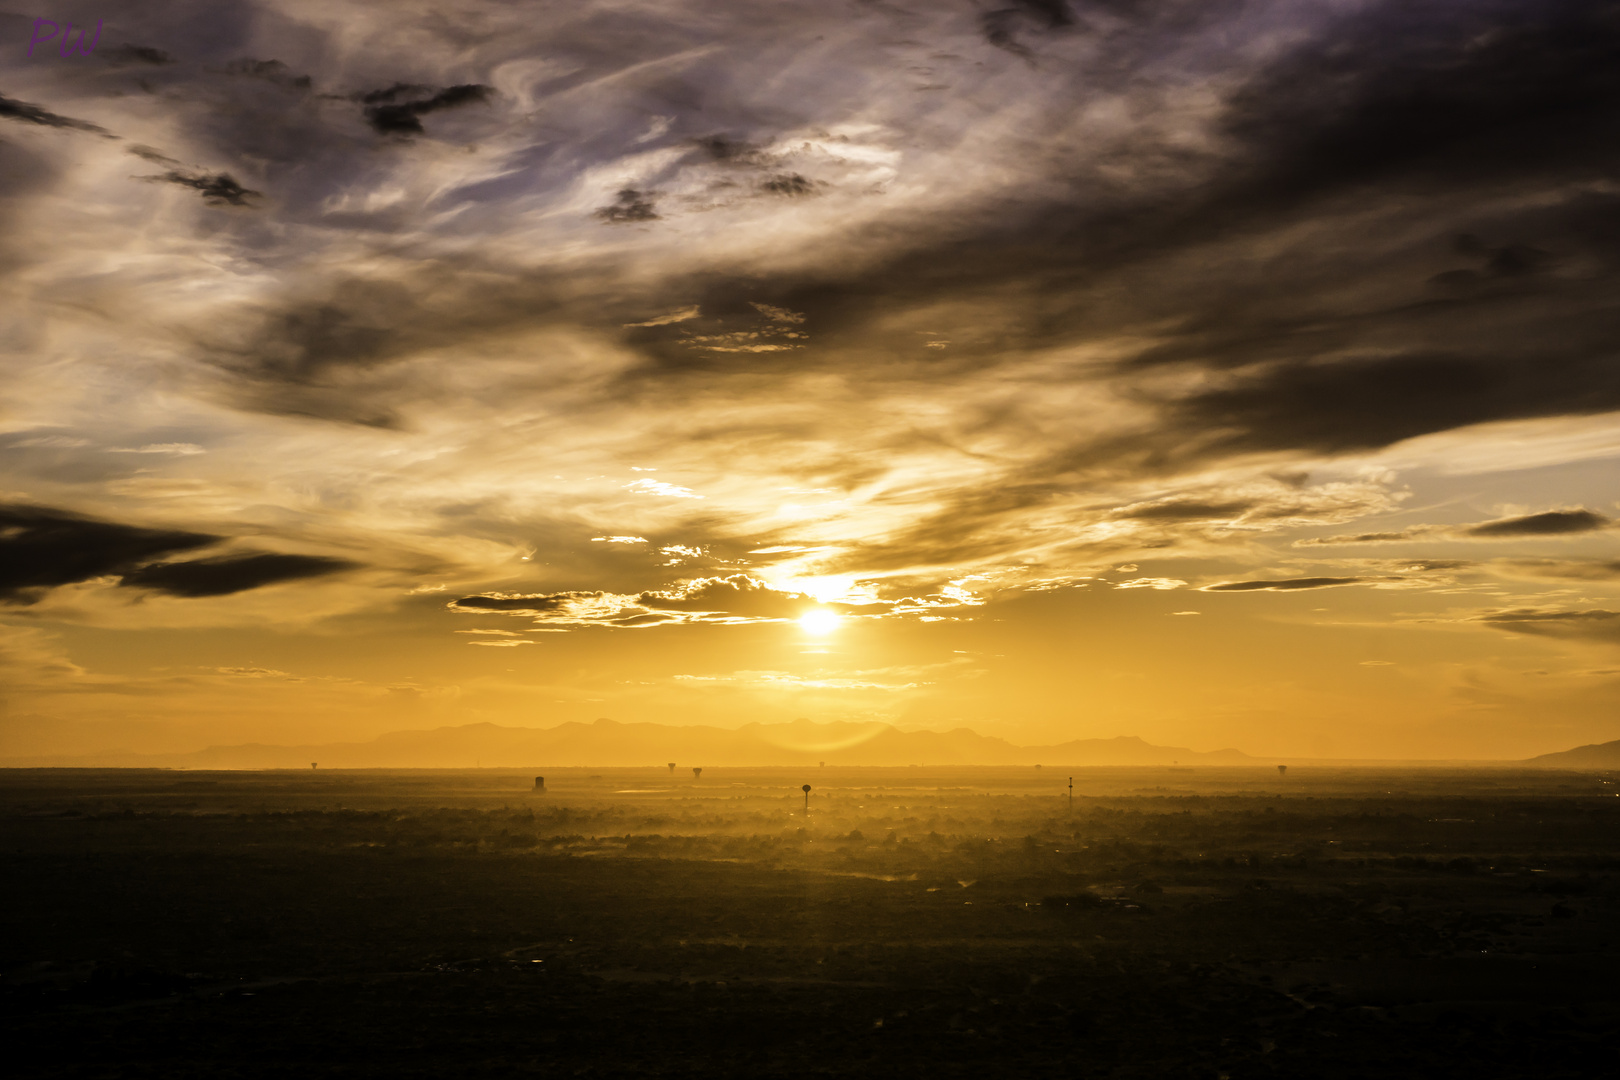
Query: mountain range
point(609, 743)
point(1591, 756)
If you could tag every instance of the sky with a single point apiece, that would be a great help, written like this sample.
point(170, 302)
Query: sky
point(1220, 373)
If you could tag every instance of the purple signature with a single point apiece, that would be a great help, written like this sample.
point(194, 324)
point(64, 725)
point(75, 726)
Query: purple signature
point(65, 47)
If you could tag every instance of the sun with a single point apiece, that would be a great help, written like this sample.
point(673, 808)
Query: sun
point(820, 622)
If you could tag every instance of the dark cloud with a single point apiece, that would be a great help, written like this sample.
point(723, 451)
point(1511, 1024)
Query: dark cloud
point(1377, 401)
point(728, 150)
point(1185, 511)
point(217, 189)
point(733, 598)
point(230, 574)
point(1437, 89)
point(302, 355)
point(1595, 623)
point(272, 71)
point(157, 157)
point(1000, 27)
point(630, 206)
point(135, 54)
point(1388, 97)
point(297, 347)
point(791, 184)
point(1560, 569)
point(33, 114)
point(1551, 523)
point(1288, 584)
point(1512, 261)
point(1365, 538)
point(521, 603)
point(41, 549)
point(388, 114)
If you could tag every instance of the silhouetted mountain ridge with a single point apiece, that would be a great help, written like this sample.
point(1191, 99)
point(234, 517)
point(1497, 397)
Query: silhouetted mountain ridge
point(1591, 756)
point(610, 743)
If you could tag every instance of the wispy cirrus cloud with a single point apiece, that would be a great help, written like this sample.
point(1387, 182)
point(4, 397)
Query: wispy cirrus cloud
point(1595, 623)
point(1291, 584)
point(1548, 523)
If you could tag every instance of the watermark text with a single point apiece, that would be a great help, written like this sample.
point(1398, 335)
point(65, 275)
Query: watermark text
point(66, 46)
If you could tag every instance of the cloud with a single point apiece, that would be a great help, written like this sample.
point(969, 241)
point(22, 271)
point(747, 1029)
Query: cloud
point(273, 71)
point(41, 549)
point(257, 673)
point(737, 594)
point(1001, 26)
point(1272, 238)
point(1159, 583)
point(1413, 533)
point(135, 54)
point(630, 206)
point(217, 189)
point(678, 553)
point(790, 184)
point(182, 449)
point(1184, 510)
point(1559, 569)
point(398, 109)
point(1369, 403)
point(530, 604)
point(660, 487)
point(147, 153)
point(1551, 523)
point(1595, 624)
point(33, 114)
point(51, 442)
point(1426, 565)
point(1288, 584)
point(734, 598)
point(231, 574)
point(690, 312)
point(777, 314)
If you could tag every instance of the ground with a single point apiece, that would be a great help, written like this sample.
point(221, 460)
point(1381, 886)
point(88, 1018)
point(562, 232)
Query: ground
point(917, 922)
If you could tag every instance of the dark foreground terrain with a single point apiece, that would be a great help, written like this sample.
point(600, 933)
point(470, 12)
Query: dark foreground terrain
point(929, 923)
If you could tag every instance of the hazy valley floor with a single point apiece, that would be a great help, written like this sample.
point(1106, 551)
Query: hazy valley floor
point(920, 922)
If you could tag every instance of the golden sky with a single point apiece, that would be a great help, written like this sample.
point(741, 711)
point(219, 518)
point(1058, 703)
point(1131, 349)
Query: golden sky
point(1226, 374)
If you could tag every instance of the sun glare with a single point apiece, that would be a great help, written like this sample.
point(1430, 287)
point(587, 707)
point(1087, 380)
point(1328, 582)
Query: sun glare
point(819, 622)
